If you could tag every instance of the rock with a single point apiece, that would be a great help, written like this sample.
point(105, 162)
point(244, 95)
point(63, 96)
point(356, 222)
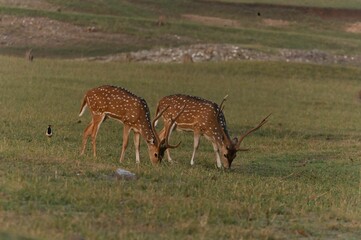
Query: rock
point(230, 52)
point(123, 174)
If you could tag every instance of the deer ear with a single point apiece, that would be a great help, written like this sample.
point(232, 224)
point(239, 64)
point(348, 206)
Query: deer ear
point(151, 141)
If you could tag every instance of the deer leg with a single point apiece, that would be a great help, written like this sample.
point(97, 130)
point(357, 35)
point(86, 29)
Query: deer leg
point(126, 131)
point(97, 121)
point(167, 150)
point(137, 146)
point(161, 136)
point(216, 151)
point(87, 132)
point(168, 155)
point(195, 146)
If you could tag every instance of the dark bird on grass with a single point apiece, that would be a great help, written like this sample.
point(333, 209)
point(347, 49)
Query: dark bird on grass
point(49, 132)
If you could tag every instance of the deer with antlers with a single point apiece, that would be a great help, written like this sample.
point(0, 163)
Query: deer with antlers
point(133, 112)
point(203, 118)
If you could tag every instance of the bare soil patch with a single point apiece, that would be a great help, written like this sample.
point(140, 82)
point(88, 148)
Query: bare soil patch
point(39, 4)
point(212, 21)
point(41, 32)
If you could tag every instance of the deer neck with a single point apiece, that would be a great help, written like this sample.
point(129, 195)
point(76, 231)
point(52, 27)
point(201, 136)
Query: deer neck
point(147, 133)
point(225, 139)
point(219, 137)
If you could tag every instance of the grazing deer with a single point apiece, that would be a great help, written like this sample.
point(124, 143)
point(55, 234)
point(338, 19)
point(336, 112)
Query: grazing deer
point(133, 112)
point(203, 117)
point(161, 21)
point(29, 55)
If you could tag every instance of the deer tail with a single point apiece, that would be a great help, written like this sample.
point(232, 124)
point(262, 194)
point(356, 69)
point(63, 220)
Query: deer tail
point(83, 106)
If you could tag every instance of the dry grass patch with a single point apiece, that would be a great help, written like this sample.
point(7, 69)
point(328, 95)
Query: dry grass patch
point(212, 21)
point(353, 27)
point(275, 22)
point(224, 22)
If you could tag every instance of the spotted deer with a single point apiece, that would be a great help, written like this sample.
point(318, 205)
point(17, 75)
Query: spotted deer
point(133, 112)
point(203, 118)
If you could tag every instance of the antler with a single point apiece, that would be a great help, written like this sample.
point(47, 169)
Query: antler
point(221, 106)
point(168, 130)
point(154, 121)
point(248, 132)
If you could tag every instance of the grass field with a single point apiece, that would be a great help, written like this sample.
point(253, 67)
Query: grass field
point(300, 179)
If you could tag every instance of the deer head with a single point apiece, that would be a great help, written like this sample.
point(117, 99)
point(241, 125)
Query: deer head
point(158, 146)
point(230, 147)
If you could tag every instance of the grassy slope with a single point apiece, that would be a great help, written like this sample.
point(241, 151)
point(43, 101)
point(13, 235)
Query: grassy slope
point(301, 177)
point(350, 4)
point(138, 18)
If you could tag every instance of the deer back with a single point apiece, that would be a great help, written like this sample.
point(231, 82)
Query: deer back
point(119, 103)
point(199, 115)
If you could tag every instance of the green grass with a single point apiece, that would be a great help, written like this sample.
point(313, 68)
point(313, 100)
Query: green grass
point(301, 177)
